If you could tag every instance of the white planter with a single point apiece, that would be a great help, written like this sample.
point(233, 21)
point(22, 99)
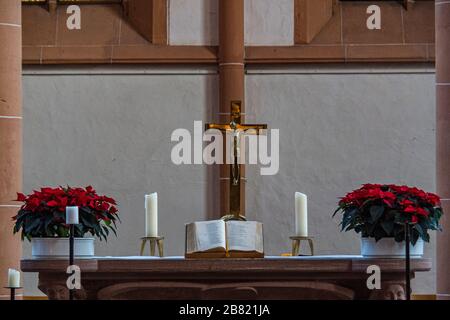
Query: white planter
point(389, 248)
point(59, 247)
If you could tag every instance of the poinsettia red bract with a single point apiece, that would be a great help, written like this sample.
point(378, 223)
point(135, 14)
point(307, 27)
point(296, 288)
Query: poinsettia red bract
point(43, 213)
point(381, 211)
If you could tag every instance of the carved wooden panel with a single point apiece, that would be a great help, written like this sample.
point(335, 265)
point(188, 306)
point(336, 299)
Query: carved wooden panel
point(151, 291)
point(278, 290)
point(174, 290)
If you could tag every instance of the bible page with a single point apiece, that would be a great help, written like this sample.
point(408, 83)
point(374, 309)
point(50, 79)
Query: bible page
point(207, 235)
point(244, 236)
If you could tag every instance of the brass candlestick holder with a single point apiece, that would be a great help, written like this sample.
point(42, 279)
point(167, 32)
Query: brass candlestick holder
point(297, 242)
point(153, 241)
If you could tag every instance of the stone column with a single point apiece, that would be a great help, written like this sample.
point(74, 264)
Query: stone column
point(10, 133)
point(232, 87)
point(443, 143)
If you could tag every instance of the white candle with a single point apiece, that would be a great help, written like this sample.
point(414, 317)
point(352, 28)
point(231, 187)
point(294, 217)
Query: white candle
point(301, 214)
point(151, 215)
point(13, 278)
point(72, 215)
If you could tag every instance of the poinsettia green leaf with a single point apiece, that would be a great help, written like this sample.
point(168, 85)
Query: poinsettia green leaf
point(399, 237)
point(48, 221)
point(29, 227)
point(419, 229)
point(388, 226)
point(378, 234)
point(414, 237)
point(336, 211)
point(376, 212)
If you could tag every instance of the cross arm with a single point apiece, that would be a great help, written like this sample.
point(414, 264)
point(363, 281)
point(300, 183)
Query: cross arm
point(257, 127)
point(222, 127)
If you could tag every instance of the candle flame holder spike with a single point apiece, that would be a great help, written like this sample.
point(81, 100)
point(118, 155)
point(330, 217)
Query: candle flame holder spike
point(297, 242)
point(12, 291)
point(153, 242)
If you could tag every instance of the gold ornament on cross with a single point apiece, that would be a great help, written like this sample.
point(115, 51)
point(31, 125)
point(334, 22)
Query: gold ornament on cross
point(236, 128)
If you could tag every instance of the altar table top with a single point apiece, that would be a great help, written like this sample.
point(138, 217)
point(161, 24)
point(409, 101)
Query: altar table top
point(178, 264)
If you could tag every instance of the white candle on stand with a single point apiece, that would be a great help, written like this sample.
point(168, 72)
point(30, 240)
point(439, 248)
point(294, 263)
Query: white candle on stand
point(301, 214)
point(72, 215)
point(151, 215)
point(13, 278)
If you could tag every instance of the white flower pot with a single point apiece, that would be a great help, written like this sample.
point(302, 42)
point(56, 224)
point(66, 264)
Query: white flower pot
point(389, 248)
point(59, 247)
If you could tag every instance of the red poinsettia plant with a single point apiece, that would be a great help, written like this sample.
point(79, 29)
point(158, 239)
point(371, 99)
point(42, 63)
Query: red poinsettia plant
point(381, 211)
point(43, 213)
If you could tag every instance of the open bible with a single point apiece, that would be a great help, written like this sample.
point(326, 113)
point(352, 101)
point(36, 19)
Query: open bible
point(224, 239)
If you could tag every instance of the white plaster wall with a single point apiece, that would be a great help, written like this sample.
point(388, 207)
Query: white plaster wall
point(269, 22)
point(113, 131)
point(337, 131)
point(193, 22)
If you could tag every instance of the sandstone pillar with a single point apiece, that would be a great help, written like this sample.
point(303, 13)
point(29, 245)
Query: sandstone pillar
point(10, 133)
point(232, 87)
point(443, 143)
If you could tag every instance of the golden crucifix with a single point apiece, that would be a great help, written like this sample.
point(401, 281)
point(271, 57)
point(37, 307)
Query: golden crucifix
point(236, 128)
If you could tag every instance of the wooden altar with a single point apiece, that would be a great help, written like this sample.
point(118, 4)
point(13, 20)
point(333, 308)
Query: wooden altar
point(319, 277)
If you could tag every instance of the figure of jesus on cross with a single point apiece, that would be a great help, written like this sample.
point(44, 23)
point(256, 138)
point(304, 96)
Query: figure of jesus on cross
point(236, 129)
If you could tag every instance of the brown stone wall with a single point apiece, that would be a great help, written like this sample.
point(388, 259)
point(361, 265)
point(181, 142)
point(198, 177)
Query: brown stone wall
point(405, 35)
point(108, 35)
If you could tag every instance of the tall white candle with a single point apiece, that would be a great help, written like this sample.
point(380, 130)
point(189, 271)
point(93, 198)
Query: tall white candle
point(301, 214)
point(72, 215)
point(151, 215)
point(13, 278)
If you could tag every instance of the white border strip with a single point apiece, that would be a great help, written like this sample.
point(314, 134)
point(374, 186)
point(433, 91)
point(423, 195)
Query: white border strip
point(388, 68)
point(443, 83)
point(119, 70)
point(10, 206)
point(423, 68)
point(10, 25)
point(231, 64)
point(443, 2)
